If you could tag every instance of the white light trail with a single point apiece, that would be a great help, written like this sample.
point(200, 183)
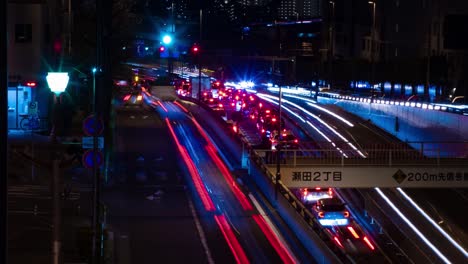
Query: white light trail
point(313, 104)
point(411, 225)
point(442, 231)
point(263, 96)
point(285, 108)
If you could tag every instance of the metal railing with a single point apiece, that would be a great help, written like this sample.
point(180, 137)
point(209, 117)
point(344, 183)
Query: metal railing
point(373, 157)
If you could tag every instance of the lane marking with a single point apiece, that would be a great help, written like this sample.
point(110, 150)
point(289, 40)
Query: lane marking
point(200, 231)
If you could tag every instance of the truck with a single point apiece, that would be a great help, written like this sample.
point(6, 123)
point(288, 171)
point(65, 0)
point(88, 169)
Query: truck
point(164, 92)
point(199, 85)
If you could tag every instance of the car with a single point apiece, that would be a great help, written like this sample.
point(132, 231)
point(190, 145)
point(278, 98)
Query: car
point(287, 141)
point(312, 195)
point(331, 212)
point(133, 98)
point(215, 104)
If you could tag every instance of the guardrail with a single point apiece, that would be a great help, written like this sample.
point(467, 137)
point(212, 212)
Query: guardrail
point(376, 157)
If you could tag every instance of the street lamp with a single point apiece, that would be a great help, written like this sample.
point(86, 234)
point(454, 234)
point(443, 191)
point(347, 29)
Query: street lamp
point(167, 40)
point(57, 82)
point(372, 49)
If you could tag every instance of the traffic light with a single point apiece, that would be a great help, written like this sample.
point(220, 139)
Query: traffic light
point(195, 49)
point(167, 39)
point(162, 49)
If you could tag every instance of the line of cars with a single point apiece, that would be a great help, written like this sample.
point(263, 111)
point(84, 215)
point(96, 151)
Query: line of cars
point(330, 211)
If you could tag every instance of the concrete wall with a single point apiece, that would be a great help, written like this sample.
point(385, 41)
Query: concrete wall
point(413, 124)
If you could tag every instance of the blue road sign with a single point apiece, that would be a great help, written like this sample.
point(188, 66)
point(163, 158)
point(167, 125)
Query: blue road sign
point(88, 158)
point(93, 126)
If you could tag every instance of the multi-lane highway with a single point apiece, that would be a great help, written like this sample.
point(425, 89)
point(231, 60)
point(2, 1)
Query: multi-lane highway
point(383, 220)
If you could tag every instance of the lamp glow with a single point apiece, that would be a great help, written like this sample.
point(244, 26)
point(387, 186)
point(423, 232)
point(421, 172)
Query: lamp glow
point(57, 81)
point(167, 39)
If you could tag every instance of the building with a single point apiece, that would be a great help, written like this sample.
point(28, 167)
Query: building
point(299, 9)
point(30, 46)
point(395, 41)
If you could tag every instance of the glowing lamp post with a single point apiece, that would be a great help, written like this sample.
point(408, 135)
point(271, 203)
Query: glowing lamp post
point(57, 81)
point(167, 40)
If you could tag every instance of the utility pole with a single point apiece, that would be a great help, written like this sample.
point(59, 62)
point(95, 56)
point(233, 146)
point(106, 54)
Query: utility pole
point(96, 111)
point(278, 149)
point(4, 133)
point(198, 55)
point(372, 50)
point(429, 48)
point(331, 43)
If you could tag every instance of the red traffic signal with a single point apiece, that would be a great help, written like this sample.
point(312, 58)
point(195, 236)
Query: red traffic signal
point(195, 49)
point(162, 49)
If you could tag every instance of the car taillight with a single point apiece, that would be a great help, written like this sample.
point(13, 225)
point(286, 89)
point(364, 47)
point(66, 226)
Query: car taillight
point(369, 244)
point(346, 214)
point(296, 141)
point(353, 232)
point(321, 215)
point(234, 128)
point(338, 241)
point(220, 105)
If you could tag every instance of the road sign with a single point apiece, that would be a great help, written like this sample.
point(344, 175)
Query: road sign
point(88, 159)
point(369, 177)
point(88, 142)
point(93, 126)
point(32, 108)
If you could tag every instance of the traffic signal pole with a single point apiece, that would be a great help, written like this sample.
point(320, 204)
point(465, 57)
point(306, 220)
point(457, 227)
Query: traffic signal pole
point(97, 89)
